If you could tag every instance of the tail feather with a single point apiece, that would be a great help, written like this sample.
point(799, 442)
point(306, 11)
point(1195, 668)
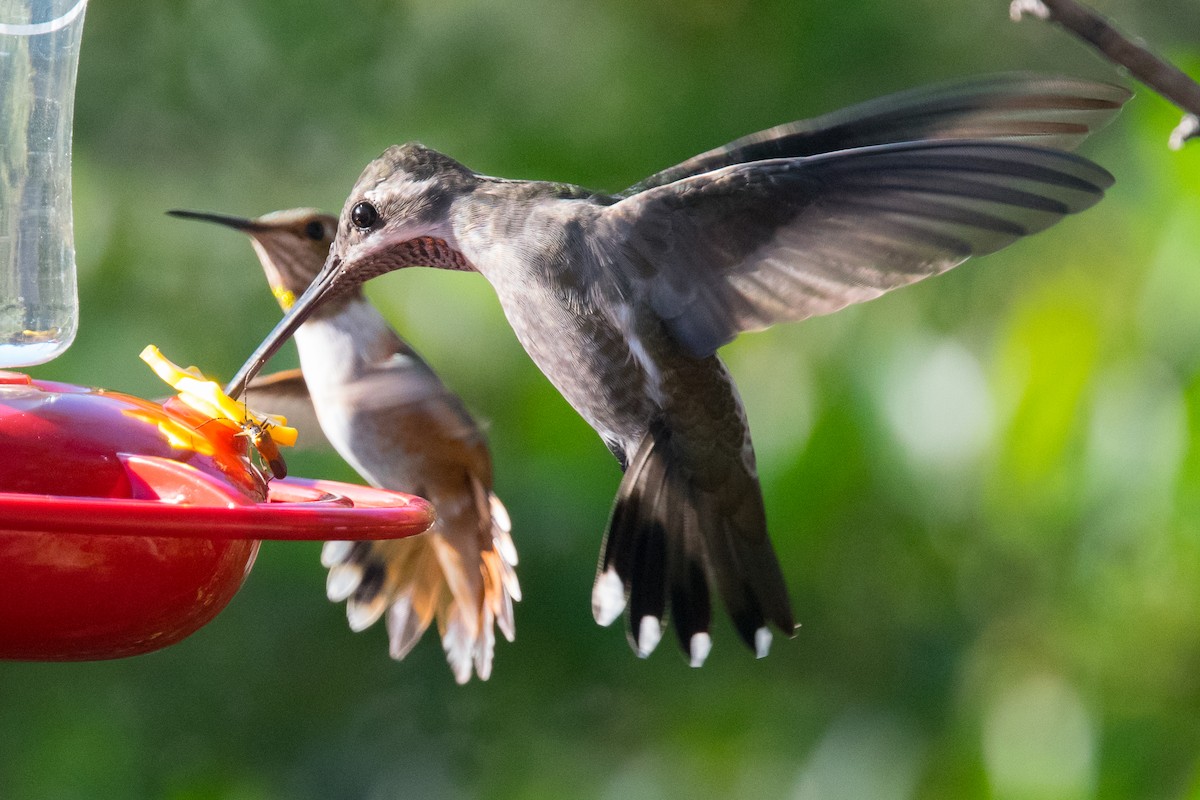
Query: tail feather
point(648, 590)
point(499, 607)
point(369, 600)
point(500, 563)
point(648, 572)
point(336, 552)
point(458, 640)
point(404, 627)
point(691, 605)
point(734, 582)
point(467, 587)
point(668, 539)
point(502, 530)
point(342, 580)
point(483, 652)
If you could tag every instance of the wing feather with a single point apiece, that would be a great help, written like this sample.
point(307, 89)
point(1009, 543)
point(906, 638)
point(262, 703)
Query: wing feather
point(751, 245)
point(1043, 110)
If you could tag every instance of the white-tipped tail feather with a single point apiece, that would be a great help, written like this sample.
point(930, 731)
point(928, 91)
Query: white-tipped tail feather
point(674, 529)
point(343, 579)
point(762, 642)
point(699, 647)
point(335, 553)
point(649, 635)
point(608, 597)
point(414, 581)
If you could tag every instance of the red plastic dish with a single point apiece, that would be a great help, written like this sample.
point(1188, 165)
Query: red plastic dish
point(126, 526)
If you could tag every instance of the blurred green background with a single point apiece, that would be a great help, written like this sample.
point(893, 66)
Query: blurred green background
point(984, 489)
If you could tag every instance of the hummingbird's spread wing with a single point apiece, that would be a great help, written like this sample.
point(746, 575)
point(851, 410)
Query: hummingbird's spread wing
point(1042, 110)
point(744, 247)
point(286, 393)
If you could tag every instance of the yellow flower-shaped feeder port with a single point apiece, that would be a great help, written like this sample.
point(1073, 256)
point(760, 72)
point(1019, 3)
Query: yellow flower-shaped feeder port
point(265, 431)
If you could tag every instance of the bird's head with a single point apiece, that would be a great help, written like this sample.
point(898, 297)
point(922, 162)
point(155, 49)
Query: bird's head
point(397, 215)
point(292, 245)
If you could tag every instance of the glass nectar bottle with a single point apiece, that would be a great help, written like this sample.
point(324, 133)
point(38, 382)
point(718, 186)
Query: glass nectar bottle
point(39, 56)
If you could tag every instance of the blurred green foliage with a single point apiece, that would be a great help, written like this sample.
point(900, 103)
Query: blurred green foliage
point(985, 489)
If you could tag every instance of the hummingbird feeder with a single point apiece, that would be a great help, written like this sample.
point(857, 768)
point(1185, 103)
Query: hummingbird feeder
point(125, 524)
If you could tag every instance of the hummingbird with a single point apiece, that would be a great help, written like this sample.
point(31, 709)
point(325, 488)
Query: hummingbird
point(390, 417)
point(623, 299)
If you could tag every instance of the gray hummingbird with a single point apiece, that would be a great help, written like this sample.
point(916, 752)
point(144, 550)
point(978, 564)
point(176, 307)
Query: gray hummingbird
point(388, 414)
point(622, 300)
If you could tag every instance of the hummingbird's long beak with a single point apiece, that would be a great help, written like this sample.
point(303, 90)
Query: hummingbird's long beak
point(238, 223)
point(318, 291)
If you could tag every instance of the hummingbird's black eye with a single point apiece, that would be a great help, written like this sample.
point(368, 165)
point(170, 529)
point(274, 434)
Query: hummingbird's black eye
point(364, 216)
point(315, 230)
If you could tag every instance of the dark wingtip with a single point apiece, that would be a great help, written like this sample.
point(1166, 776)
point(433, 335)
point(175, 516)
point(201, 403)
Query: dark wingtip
point(278, 467)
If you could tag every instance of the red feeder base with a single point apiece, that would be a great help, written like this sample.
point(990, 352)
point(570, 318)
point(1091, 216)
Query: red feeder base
point(126, 526)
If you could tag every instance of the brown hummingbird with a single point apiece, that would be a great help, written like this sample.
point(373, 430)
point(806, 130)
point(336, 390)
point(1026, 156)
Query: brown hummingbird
point(622, 300)
point(388, 414)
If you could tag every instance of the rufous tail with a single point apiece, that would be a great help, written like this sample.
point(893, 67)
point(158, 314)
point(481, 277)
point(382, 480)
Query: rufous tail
point(467, 583)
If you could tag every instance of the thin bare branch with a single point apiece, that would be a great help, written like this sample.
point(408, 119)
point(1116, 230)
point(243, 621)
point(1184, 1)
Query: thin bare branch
point(1157, 73)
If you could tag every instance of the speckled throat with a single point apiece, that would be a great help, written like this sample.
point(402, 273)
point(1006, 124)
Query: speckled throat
point(423, 251)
